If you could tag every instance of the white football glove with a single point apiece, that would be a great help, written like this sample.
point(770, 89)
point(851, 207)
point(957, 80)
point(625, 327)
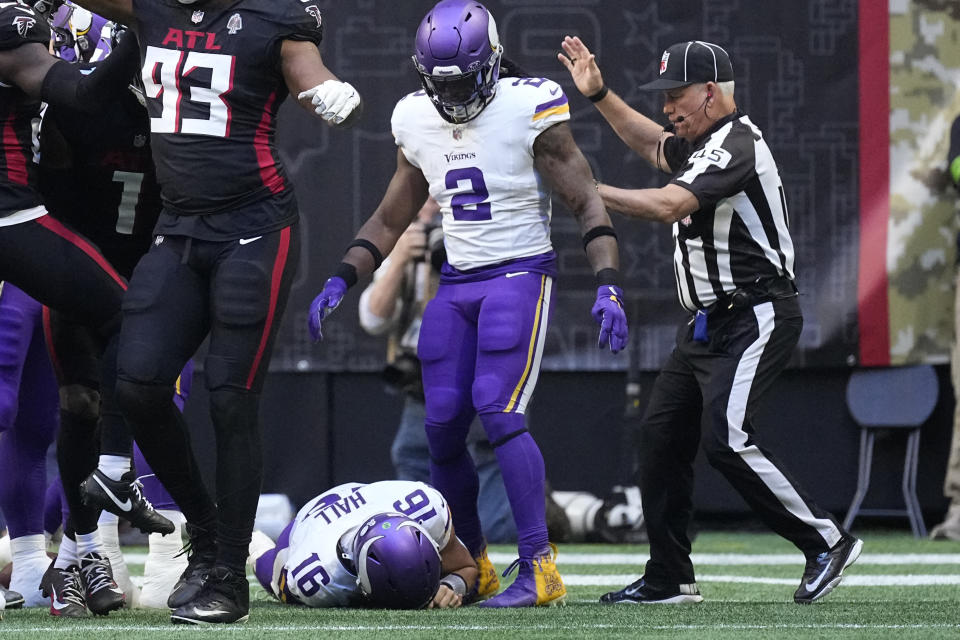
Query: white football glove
point(333, 100)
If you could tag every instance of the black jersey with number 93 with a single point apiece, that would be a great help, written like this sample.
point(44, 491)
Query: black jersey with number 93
point(213, 83)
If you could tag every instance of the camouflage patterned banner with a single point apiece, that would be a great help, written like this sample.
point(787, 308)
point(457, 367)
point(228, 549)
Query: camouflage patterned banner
point(908, 221)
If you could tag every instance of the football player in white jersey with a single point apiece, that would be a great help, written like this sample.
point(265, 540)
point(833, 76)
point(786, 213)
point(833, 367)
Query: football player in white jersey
point(491, 150)
point(387, 544)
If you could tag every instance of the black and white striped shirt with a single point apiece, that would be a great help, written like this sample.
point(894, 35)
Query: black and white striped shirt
point(740, 232)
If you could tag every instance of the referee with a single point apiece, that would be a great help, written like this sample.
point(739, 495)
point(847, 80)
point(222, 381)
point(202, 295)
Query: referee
point(734, 266)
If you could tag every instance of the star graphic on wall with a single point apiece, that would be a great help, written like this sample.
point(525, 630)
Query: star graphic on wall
point(646, 29)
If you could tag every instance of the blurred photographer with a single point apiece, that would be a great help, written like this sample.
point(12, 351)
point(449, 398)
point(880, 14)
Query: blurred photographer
point(393, 305)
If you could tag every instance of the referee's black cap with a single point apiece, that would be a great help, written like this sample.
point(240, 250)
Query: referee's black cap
point(691, 62)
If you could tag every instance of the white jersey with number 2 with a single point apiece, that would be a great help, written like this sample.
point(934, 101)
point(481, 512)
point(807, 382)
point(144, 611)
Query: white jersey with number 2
point(495, 205)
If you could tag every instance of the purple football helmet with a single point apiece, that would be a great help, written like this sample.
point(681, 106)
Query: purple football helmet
point(458, 58)
point(81, 36)
point(398, 565)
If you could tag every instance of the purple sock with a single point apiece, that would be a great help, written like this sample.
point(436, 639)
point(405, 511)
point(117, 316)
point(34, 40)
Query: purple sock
point(29, 425)
point(54, 515)
point(521, 464)
point(153, 489)
point(457, 480)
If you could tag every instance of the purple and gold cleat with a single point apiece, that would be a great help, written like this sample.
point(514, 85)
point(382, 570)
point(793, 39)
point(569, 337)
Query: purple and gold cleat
point(487, 581)
point(538, 583)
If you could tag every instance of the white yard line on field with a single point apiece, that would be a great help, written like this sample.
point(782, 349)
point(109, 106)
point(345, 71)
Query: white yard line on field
point(725, 559)
point(170, 630)
point(701, 559)
point(848, 581)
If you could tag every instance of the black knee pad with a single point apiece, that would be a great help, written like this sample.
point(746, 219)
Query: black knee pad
point(143, 403)
point(80, 400)
point(234, 409)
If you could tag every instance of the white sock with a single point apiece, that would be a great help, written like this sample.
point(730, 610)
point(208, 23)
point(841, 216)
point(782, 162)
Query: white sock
point(163, 568)
point(114, 466)
point(107, 526)
point(5, 553)
point(67, 554)
point(29, 563)
point(28, 548)
point(89, 543)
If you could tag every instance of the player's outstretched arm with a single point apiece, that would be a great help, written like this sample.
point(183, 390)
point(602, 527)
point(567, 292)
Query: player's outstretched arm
point(26, 66)
point(117, 10)
point(639, 132)
point(667, 204)
point(459, 575)
point(405, 194)
point(560, 162)
point(38, 74)
point(317, 89)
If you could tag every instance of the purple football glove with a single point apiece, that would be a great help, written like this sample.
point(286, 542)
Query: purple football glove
point(328, 300)
point(608, 312)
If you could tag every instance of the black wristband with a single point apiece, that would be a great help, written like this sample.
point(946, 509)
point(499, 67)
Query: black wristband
point(596, 232)
point(348, 272)
point(369, 246)
point(608, 276)
point(599, 95)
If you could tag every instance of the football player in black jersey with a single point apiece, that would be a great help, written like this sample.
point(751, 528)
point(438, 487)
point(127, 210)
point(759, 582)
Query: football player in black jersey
point(42, 256)
point(224, 255)
point(95, 175)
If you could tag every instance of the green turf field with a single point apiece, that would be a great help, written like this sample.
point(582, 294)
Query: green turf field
point(900, 588)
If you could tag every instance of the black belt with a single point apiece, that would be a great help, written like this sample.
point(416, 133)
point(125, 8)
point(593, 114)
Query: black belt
point(763, 289)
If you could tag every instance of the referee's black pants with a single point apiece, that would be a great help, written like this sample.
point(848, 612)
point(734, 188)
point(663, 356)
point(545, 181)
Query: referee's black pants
point(722, 381)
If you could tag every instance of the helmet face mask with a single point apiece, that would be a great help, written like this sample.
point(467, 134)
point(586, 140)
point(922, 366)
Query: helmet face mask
point(81, 36)
point(397, 563)
point(457, 58)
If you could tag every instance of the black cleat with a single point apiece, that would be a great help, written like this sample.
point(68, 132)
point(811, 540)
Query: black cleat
point(639, 592)
point(101, 591)
point(224, 599)
point(201, 556)
point(124, 499)
point(825, 571)
point(11, 599)
point(63, 588)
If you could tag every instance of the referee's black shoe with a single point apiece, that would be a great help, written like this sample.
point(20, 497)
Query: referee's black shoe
point(224, 599)
point(825, 571)
point(640, 592)
point(123, 498)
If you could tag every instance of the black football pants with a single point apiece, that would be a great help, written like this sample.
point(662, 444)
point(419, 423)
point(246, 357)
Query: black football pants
point(62, 270)
point(721, 381)
point(182, 291)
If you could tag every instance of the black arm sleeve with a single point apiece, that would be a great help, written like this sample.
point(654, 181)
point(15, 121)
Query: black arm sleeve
point(65, 85)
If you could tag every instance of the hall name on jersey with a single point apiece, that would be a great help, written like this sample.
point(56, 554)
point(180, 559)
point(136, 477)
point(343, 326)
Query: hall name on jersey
point(331, 511)
point(191, 40)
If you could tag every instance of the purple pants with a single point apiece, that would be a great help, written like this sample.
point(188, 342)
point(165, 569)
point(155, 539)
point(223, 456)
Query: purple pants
point(481, 342)
point(29, 411)
point(263, 568)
